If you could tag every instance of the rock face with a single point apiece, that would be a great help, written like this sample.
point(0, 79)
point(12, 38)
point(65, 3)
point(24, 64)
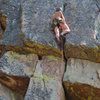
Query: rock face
point(81, 79)
point(7, 94)
point(79, 91)
point(17, 64)
point(12, 10)
point(83, 18)
point(82, 72)
point(36, 25)
point(44, 75)
point(2, 24)
point(97, 27)
point(36, 18)
point(30, 60)
point(4, 94)
point(44, 90)
point(46, 81)
point(20, 28)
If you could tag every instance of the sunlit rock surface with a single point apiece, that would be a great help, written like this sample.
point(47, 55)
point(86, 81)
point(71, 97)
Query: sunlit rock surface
point(17, 64)
point(7, 94)
point(82, 78)
point(25, 28)
point(45, 84)
point(11, 9)
point(36, 21)
point(83, 19)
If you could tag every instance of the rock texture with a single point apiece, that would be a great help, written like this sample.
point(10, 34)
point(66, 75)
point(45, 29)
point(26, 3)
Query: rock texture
point(7, 94)
point(21, 44)
point(83, 18)
point(4, 94)
point(44, 75)
point(44, 90)
point(97, 28)
point(17, 64)
point(82, 72)
point(26, 37)
point(11, 9)
point(46, 81)
point(36, 25)
point(36, 21)
point(18, 84)
point(82, 44)
point(79, 91)
point(2, 24)
point(17, 15)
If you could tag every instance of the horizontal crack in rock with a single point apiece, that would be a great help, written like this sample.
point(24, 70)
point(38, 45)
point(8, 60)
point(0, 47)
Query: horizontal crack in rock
point(38, 49)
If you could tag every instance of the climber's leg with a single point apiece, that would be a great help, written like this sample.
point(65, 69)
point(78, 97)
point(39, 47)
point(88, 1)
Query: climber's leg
point(65, 28)
point(56, 30)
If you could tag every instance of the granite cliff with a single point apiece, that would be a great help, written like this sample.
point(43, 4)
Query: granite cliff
point(30, 59)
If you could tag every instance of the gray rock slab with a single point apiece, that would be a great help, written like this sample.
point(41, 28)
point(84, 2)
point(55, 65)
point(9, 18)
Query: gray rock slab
point(82, 71)
point(81, 16)
point(97, 29)
point(83, 20)
point(39, 90)
point(45, 83)
point(12, 10)
point(17, 64)
point(7, 94)
point(36, 20)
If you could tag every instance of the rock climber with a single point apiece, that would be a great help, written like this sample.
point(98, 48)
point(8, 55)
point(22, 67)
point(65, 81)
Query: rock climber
point(59, 24)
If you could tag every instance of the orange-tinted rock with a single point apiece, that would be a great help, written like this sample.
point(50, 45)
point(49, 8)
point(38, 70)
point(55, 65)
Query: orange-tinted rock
point(15, 83)
point(3, 22)
point(7, 94)
point(82, 79)
point(78, 91)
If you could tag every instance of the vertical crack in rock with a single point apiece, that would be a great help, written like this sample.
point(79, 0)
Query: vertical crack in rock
point(39, 57)
point(98, 5)
point(21, 35)
point(39, 71)
point(66, 96)
point(36, 86)
point(97, 29)
point(63, 39)
point(96, 35)
point(64, 6)
point(44, 88)
point(98, 74)
point(84, 73)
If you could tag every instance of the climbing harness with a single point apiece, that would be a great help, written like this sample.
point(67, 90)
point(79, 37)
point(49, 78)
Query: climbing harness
point(61, 73)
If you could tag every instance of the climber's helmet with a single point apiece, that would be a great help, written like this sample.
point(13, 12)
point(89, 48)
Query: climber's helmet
point(58, 9)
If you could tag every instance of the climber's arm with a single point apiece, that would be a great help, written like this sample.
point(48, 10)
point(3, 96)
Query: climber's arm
point(68, 29)
point(52, 18)
point(62, 16)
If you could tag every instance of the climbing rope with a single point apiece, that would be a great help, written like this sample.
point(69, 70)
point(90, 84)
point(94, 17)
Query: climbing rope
point(61, 74)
